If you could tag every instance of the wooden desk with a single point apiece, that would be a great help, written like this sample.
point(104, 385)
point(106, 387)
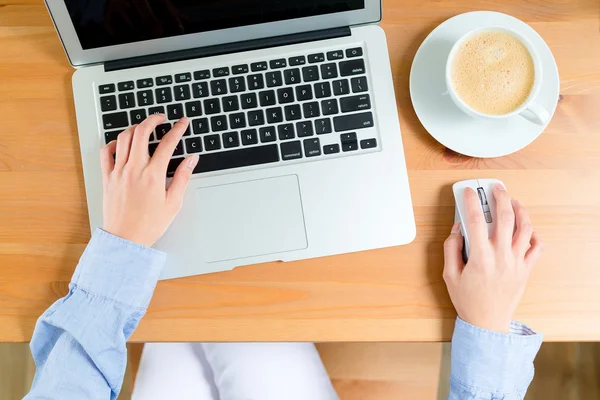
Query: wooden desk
point(385, 295)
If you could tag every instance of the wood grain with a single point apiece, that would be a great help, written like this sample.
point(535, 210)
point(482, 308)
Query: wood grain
point(392, 294)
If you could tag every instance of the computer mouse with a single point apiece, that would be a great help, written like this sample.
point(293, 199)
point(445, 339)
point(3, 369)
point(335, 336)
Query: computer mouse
point(483, 187)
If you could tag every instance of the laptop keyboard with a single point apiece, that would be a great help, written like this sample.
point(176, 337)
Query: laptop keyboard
point(305, 107)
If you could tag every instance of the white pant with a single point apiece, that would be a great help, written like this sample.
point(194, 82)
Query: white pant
point(232, 371)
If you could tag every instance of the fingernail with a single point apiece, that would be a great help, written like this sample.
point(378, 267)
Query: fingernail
point(184, 120)
point(193, 161)
point(455, 227)
point(500, 187)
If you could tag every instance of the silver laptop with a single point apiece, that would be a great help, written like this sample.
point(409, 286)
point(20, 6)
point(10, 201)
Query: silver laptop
point(292, 111)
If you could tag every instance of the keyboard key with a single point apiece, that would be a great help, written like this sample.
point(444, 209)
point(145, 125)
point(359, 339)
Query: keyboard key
point(126, 100)
point(312, 147)
point(368, 143)
point(335, 55)
point(310, 74)
point(144, 83)
point(182, 92)
point(218, 123)
point(329, 71)
point(178, 149)
point(259, 66)
point(200, 125)
point(329, 107)
point(161, 130)
point(255, 82)
point(163, 95)
point(285, 95)
point(249, 136)
point(125, 86)
point(193, 145)
point(311, 109)
point(238, 158)
point(188, 131)
point(293, 112)
point(286, 131)
point(212, 106)
point(231, 139)
point(193, 109)
point(237, 120)
point(145, 98)
point(256, 118)
point(279, 63)
point(359, 84)
point(354, 52)
point(108, 103)
point(237, 85)
point(292, 76)
point(156, 110)
point(355, 103)
point(291, 150)
point(322, 89)
point(164, 80)
point(331, 149)
point(219, 72)
point(341, 87)
point(211, 142)
point(230, 103)
point(184, 77)
point(353, 121)
point(249, 100)
point(152, 148)
point(267, 98)
point(274, 79)
point(172, 167)
point(350, 146)
point(218, 87)
point(108, 88)
point(304, 92)
point(110, 136)
point(200, 89)
point(300, 60)
point(304, 128)
point(315, 58)
point(174, 111)
point(137, 116)
point(274, 115)
point(267, 134)
point(239, 69)
point(352, 67)
point(200, 75)
point(348, 137)
point(323, 126)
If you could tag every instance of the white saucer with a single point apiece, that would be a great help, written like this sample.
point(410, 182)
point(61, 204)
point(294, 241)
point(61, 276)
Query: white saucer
point(475, 137)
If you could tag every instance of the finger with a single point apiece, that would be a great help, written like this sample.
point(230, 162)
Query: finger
point(453, 260)
point(107, 162)
point(123, 147)
point(167, 145)
point(181, 179)
point(141, 137)
point(475, 223)
point(524, 231)
point(505, 217)
point(535, 251)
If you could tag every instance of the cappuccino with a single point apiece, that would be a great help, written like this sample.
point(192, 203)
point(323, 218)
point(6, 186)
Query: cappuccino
point(493, 72)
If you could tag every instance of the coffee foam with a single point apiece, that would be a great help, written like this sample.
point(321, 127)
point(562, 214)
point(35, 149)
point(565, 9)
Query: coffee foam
point(493, 72)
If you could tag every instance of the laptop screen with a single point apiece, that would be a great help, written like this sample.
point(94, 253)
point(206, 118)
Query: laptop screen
point(101, 23)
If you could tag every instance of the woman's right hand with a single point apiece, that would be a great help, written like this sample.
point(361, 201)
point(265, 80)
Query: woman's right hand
point(487, 290)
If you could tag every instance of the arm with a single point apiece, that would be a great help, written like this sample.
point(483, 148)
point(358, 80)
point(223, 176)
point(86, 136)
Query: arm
point(78, 344)
point(492, 356)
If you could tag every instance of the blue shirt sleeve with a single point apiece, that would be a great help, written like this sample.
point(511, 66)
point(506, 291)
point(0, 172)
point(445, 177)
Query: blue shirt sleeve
point(488, 365)
point(78, 344)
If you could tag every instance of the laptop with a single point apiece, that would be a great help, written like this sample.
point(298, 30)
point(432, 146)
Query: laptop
point(292, 110)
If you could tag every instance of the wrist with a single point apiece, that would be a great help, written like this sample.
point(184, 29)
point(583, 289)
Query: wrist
point(500, 325)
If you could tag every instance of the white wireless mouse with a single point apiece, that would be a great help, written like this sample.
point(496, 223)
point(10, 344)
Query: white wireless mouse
point(483, 187)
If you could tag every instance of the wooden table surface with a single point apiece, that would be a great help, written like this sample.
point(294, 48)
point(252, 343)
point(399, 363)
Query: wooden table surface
point(394, 294)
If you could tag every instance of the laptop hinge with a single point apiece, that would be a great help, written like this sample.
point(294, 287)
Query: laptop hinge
point(228, 48)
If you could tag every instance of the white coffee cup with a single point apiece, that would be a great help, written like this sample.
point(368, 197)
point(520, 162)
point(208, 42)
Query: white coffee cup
point(529, 110)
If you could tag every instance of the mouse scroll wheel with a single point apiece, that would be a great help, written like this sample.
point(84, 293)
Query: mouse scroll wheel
point(484, 205)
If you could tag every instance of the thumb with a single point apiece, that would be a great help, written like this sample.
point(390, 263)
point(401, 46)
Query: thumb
point(181, 178)
point(453, 261)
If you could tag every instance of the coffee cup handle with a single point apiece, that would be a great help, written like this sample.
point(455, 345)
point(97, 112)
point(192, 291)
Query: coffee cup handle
point(536, 114)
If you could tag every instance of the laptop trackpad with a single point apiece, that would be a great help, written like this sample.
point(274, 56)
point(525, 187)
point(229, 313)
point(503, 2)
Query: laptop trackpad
point(251, 219)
